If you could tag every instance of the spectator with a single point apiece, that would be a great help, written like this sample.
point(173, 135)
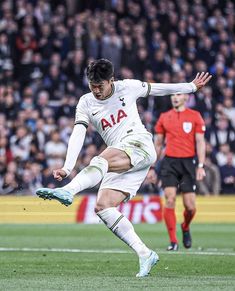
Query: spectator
point(94, 36)
point(67, 107)
point(3, 166)
point(5, 150)
point(55, 150)
point(20, 143)
point(8, 184)
point(65, 128)
point(211, 184)
point(26, 45)
point(142, 62)
point(205, 101)
point(228, 175)
point(111, 45)
point(75, 68)
point(54, 82)
point(229, 110)
point(8, 106)
point(128, 55)
point(45, 45)
point(222, 155)
point(223, 133)
point(42, 102)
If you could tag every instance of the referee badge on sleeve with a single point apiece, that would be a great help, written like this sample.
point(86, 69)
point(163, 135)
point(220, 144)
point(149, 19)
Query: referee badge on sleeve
point(187, 126)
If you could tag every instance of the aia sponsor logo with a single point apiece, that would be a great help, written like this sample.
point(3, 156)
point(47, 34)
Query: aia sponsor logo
point(113, 119)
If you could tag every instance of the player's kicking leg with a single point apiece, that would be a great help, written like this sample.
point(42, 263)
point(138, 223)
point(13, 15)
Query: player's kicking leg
point(60, 194)
point(87, 178)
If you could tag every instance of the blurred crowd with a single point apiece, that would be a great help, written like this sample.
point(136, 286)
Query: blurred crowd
point(45, 47)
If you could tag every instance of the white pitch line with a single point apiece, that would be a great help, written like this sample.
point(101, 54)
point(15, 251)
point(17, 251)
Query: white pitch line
point(64, 250)
point(115, 251)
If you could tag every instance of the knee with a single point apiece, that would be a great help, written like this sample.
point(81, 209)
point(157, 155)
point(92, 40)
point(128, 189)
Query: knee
point(190, 206)
point(100, 206)
point(101, 163)
point(170, 201)
point(97, 209)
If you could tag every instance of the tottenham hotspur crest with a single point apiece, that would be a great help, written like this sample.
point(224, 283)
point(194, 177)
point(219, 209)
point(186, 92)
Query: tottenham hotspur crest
point(187, 126)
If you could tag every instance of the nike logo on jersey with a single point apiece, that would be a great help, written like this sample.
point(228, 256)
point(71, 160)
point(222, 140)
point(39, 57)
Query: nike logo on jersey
point(95, 113)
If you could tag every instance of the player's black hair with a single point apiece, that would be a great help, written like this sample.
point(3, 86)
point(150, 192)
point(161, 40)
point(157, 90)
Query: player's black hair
point(99, 70)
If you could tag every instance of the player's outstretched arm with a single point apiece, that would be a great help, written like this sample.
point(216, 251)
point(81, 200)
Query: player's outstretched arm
point(75, 144)
point(201, 79)
point(161, 89)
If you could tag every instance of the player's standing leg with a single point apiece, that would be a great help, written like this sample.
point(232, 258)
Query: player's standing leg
point(170, 217)
point(107, 201)
point(189, 212)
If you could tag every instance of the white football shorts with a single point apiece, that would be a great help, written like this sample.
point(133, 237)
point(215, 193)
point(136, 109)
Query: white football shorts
point(141, 150)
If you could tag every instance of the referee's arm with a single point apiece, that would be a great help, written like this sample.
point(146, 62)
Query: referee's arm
point(159, 142)
point(201, 152)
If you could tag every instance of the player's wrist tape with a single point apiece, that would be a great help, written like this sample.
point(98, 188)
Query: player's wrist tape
point(194, 86)
point(67, 171)
point(200, 165)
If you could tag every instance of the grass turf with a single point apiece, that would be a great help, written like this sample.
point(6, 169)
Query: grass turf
point(193, 269)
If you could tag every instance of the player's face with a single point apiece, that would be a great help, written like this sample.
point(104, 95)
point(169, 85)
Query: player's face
point(178, 100)
point(101, 90)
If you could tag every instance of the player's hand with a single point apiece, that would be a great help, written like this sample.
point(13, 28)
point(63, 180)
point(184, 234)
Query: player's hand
point(201, 80)
point(59, 174)
point(200, 174)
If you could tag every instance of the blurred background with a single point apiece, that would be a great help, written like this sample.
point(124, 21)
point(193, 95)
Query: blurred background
point(45, 47)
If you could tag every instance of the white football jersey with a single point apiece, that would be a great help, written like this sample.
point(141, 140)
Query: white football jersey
point(116, 116)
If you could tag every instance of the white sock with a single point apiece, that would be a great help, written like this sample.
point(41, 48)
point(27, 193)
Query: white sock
point(123, 229)
point(89, 176)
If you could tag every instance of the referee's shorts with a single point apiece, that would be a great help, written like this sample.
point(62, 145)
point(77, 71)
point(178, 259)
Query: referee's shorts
point(179, 173)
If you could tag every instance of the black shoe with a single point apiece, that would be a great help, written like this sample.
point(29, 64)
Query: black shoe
point(173, 247)
point(187, 239)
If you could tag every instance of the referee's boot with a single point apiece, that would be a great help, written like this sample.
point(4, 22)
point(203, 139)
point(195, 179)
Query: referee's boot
point(59, 194)
point(187, 239)
point(173, 247)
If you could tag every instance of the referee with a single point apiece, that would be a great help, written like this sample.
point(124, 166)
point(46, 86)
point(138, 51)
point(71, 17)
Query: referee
point(183, 131)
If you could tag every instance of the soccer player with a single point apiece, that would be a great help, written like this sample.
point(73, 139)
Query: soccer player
point(183, 130)
point(123, 165)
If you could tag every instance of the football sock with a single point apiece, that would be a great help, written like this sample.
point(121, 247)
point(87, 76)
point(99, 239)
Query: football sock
point(170, 220)
point(89, 176)
point(188, 216)
point(123, 229)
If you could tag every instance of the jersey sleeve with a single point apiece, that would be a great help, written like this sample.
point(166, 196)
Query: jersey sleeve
point(81, 116)
point(199, 124)
point(159, 128)
point(138, 88)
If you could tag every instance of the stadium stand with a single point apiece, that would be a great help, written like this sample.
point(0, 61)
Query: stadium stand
point(46, 45)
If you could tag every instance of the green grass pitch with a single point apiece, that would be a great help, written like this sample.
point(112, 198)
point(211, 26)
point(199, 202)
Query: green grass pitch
point(39, 257)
